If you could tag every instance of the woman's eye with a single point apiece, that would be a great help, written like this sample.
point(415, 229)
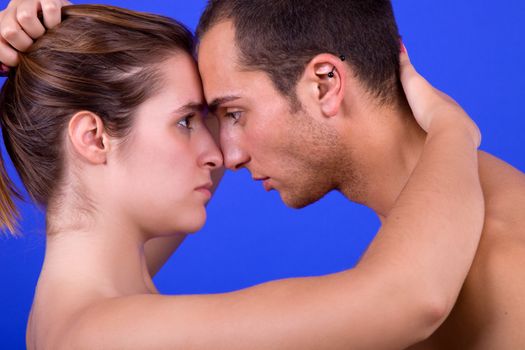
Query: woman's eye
point(186, 122)
point(235, 116)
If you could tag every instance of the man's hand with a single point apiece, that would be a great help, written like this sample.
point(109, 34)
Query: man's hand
point(20, 25)
point(434, 110)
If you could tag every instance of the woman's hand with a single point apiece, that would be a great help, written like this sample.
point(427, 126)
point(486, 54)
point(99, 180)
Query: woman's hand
point(433, 110)
point(20, 25)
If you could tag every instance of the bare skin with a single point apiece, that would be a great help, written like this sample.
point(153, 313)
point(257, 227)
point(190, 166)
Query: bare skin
point(490, 312)
point(95, 290)
point(72, 311)
point(385, 145)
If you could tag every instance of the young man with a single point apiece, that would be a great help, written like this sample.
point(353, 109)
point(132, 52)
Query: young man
point(309, 101)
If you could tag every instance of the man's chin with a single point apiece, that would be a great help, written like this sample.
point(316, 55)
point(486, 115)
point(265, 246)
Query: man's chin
point(298, 201)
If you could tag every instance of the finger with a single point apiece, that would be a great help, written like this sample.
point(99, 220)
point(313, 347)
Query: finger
point(427, 103)
point(413, 83)
point(8, 55)
point(13, 34)
point(51, 10)
point(65, 2)
point(420, 94)
point(27, 16)
point(416, 82)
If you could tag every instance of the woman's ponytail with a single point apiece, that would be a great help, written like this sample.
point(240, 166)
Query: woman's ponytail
point(8, 210)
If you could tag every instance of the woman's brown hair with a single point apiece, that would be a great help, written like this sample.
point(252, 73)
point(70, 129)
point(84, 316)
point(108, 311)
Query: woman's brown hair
point(101, 59)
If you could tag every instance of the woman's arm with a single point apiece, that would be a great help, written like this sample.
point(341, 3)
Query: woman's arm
point(396, 296)
point(20, 25)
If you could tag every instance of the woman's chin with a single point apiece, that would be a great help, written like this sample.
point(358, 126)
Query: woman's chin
point(193, 224)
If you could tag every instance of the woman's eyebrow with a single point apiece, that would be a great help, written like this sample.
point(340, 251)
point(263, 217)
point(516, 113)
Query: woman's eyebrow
point(191, 107)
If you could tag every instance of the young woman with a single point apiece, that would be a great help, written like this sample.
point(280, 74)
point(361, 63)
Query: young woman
point(104, 121)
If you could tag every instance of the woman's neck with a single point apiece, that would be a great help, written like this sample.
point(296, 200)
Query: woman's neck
point(106, 256)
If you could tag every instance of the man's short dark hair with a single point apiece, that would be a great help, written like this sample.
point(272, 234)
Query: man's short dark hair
point(280, 37)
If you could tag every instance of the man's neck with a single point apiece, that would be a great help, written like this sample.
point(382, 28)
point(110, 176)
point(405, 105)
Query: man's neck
point(390, 143)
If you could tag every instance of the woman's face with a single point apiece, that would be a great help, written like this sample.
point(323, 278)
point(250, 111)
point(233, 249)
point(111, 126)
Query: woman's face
point(163, 170)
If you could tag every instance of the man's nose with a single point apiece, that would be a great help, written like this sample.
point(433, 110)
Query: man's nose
point(235, 156)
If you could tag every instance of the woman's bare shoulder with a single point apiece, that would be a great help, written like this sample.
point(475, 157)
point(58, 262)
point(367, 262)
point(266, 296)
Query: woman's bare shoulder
point(123, 322)
point(153, 321)
point(56, 306)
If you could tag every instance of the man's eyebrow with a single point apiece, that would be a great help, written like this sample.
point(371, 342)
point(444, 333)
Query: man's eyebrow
point(216, 103)
point(190, 107)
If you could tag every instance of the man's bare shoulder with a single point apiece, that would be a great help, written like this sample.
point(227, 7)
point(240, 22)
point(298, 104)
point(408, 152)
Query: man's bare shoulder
point(504, 192)
point(490, 311)
point(499, 178)
point(503, 240)
point(497, 277)
point(493, 297)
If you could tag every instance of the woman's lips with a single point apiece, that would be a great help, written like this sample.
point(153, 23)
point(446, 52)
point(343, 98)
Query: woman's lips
point(206, 192)
point(205, 189)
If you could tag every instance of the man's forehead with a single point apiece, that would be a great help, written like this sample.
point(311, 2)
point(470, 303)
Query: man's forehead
point(222, 79)
point(219, 39)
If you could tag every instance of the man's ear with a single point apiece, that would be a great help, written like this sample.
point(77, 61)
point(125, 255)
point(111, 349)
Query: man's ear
point(326, 74)
point(88, 138)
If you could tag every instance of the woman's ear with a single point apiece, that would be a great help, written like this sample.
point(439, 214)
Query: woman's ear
point(327, 75)
point(88, 137)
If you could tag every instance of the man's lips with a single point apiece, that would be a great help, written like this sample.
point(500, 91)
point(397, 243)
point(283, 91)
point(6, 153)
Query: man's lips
point(266, 182)
point(267, 185)
point(260, 178)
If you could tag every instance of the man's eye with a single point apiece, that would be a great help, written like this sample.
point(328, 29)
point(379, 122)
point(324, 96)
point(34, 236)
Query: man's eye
point(235, 116)
point(186, 122)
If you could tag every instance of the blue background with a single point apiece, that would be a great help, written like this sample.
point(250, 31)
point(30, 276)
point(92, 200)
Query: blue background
point(472, 50)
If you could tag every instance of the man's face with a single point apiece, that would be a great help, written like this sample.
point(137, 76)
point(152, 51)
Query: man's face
point(290, 151)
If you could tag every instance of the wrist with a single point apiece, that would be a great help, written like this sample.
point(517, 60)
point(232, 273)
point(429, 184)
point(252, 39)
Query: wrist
point(455, 123)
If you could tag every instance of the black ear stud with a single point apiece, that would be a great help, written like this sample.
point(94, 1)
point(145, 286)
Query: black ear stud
point(331, 74)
